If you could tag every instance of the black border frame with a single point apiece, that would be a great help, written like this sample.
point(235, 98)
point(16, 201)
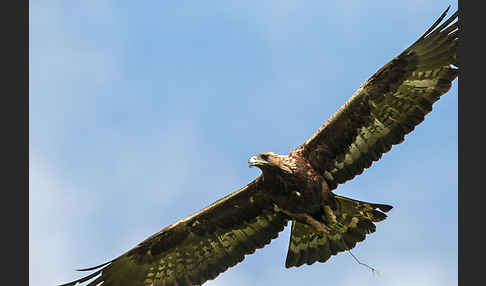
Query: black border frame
point(15, 119)
point(471, 145)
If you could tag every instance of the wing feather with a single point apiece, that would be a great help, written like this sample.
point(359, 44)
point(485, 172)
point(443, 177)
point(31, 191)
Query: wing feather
point(387, 106)
point(199, 247)
point(353, 220)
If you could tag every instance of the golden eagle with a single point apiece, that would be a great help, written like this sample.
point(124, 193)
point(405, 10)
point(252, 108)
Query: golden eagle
point(298, 187)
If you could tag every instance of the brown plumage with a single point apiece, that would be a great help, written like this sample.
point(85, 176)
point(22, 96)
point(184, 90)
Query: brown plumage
point(297, 187)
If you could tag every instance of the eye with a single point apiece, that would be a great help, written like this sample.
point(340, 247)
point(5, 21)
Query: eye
point(264, 156)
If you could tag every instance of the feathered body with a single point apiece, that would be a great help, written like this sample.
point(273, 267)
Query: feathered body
point(292, 183)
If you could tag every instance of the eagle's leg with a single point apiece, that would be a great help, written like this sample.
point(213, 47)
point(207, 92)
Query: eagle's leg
point(329, 216)
point(331, 219)
point(319, 227)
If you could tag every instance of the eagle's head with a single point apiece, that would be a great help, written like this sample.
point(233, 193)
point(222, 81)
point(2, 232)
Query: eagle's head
point(269, 161)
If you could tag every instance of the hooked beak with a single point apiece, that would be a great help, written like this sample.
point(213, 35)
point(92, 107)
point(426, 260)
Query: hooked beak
point(254, 161)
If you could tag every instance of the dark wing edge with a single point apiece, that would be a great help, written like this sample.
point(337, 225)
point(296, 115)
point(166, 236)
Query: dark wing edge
point(386, 107)
point(199, 247)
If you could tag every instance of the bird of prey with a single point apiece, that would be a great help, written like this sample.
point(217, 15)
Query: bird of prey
point(298, 187)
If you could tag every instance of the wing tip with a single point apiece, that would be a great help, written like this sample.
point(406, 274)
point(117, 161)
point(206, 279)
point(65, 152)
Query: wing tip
point(384, 208)
point(83, 279)
point(94, 267)
point(438, 21)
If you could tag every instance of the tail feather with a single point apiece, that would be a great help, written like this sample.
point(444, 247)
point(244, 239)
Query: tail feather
point(351, 221)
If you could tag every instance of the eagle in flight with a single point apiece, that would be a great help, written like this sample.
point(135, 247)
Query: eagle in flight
point(298, 187)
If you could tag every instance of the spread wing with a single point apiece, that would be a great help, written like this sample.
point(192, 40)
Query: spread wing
point(200, 247)
point(387, 106)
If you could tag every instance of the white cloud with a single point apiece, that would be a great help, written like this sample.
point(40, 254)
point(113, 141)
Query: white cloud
point(53, 48)
point(53, 210)
point(61, 67)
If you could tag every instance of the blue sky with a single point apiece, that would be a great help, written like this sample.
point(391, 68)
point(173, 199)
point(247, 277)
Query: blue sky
point(141, 115)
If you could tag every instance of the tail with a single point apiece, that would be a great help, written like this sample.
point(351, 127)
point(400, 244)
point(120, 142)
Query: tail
point(348, 220)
